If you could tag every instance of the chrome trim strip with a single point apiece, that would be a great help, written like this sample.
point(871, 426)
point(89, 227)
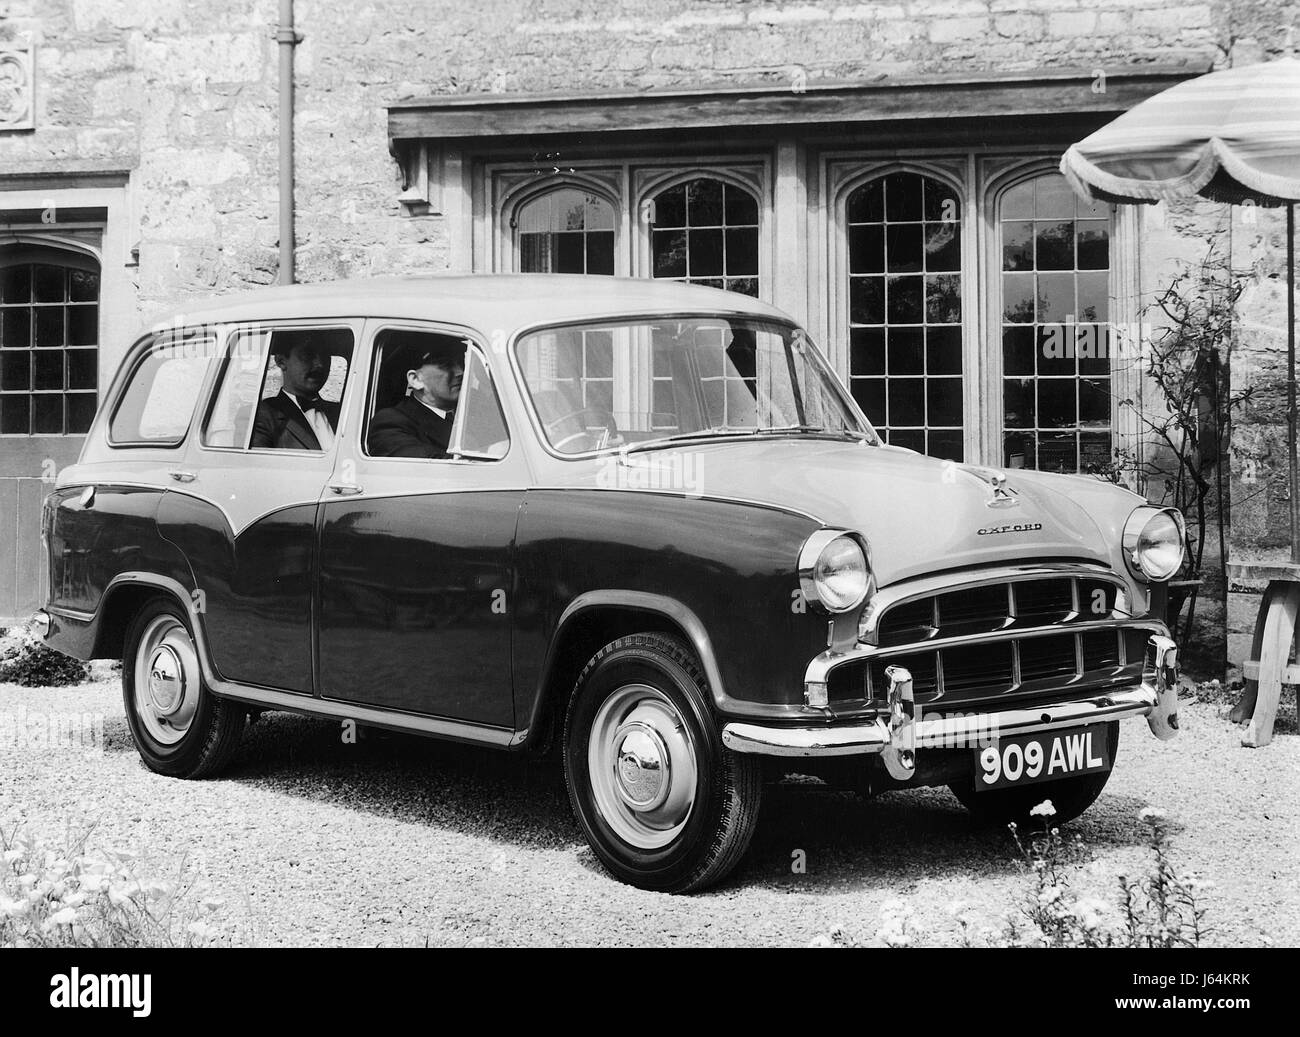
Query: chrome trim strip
point(900, 593)
point(458, 730)
point(74, 614)
point(874, 736)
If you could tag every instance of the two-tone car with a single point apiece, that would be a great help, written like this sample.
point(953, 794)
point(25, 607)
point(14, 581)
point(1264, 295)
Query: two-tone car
point(655, 535)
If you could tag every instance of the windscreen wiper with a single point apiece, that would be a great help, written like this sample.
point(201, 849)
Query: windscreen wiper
point(715, 432)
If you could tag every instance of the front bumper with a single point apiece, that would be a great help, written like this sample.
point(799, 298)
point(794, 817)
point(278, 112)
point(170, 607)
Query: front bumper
point(897, 735)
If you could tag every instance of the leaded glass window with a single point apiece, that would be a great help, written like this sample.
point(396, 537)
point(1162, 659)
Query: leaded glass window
point(1056, 341)
point(905, 310)
point(49, 338)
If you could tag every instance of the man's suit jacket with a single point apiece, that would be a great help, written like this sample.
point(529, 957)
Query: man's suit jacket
point(409, 429)
point(280, 424)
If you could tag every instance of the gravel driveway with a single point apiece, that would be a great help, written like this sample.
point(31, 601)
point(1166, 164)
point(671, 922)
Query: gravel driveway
point(402, 841)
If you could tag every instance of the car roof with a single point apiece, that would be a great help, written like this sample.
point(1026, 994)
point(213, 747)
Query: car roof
point(483, 301)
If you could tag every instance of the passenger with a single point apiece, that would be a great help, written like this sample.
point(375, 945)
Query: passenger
point(296, 418)
point(419, 425)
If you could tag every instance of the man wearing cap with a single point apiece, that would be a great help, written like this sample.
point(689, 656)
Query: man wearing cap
point(419, 425)
point(296, 418)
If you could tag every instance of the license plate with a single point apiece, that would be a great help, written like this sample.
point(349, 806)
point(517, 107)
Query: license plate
point(1027, 759)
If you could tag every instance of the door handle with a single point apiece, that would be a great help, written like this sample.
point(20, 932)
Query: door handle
point(344, 489)
point(181, 476)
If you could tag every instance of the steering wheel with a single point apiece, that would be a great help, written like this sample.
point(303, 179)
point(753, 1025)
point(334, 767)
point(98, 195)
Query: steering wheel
point(600, 417)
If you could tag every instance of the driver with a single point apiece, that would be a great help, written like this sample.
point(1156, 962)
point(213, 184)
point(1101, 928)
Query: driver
point(419, 425)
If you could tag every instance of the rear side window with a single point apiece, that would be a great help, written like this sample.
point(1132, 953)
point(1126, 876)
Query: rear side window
point(159, 400)
point(269, 376)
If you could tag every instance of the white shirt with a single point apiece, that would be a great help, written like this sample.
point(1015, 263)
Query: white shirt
point(436, 410)
point(318, 422)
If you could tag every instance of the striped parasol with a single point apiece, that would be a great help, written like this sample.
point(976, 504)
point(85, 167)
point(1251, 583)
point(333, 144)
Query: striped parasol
point(1230, 136)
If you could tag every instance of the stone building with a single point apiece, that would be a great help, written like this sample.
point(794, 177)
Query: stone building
point(886, 172)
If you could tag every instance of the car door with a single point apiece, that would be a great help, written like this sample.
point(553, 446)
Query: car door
point(245, 516)
point(416, 553)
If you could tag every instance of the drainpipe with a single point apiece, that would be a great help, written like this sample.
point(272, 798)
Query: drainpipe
point(287, 39)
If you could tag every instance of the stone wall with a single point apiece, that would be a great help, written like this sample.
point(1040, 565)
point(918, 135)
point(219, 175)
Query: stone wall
point(186, 95)
point(1259, 454)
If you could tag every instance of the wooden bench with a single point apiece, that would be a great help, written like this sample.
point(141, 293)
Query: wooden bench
point(1270, 664)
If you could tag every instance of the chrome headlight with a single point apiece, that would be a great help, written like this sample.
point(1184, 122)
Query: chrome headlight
point(833, 570)
point(1155, 540)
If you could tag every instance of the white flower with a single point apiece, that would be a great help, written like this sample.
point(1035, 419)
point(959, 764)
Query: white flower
point(199, 930)
point(1151, 815)
point(119, 895)
point(1090, 912)
point(93, 883)
point(65, 917)
point(74, 899)
point(958, 908)
point(1044, 809)
point(11, 855)
point(821, 941)
point(13, 908)
point(1050, 895)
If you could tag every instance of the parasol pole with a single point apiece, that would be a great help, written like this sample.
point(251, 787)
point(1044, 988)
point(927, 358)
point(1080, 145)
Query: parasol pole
point(1290, 381)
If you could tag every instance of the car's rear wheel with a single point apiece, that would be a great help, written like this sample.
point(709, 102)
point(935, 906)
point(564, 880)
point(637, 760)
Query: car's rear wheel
point(662, 802)
point(180, 728)
point(1070, 796)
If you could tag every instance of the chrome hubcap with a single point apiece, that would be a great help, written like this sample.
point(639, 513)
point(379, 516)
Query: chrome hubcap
point(642, 772)
point(166, 680)
point(642, 765)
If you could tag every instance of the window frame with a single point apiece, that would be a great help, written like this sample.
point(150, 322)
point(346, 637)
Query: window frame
point(534, 192)
point(530, 406)
point(228, 334)
point(139, 357)
point(70, 253)
point(1123, 306)
point(650, 186)
point(473, 341)
point(980, 176)
point(946, 176)
point(627, 182)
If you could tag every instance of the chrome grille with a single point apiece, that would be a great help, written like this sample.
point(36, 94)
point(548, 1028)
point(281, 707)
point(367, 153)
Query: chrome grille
point(986, 609)
point(1048, 660)
point(1041, 667)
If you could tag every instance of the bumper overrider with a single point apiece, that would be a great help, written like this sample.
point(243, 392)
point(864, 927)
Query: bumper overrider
point(897, 733)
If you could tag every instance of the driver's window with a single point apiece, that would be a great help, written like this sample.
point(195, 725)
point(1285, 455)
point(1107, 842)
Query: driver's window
point(481, 431)
point(431, 397)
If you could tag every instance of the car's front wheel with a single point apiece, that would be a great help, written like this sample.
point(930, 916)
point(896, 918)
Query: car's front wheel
point(1070, 796)
point(662, 802)
point(180, 728)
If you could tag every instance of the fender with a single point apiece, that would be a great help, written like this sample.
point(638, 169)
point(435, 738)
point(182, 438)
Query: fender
point(669, 608)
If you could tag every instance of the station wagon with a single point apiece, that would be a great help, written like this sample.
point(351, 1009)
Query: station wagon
point(641, 524)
